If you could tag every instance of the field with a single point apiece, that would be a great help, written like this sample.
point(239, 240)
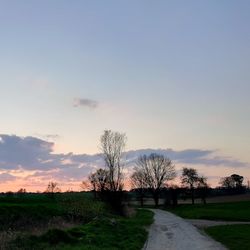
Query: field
point(235, 237)
point(214, 199)
point(102, 233)
point(233, 211)
point(68, 221)
point(31, 210)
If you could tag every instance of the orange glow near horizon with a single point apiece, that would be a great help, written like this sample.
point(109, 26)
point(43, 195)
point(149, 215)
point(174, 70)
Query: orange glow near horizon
point(37, 185)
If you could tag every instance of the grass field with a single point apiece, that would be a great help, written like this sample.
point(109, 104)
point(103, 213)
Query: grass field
point(235, 237)
point(234, 211)
point(29, 211)
point(68, 221)
point(102, 233)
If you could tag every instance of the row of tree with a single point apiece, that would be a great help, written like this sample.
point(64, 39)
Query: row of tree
point(151, 173)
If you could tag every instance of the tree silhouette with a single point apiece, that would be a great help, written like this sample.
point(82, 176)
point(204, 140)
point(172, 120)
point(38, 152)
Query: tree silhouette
point(112, 146)
point(139, 183)
point(52, 188)
point(190, 178)
point(156, 171)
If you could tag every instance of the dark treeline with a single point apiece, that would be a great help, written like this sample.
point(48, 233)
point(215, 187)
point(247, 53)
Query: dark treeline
point(171, 196)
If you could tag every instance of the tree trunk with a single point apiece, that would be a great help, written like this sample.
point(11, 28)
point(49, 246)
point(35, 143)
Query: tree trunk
point(174, 197)
point(141, 199)
point(204, 200)
point(156, 199)
point(192, 194)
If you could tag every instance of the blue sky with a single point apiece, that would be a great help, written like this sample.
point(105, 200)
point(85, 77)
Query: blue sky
point(171, 74)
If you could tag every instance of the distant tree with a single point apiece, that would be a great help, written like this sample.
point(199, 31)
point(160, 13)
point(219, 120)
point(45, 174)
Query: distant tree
point(233, 181)
point(52, 188)
point(156, 170)
point(139, 183)
point(97, 181)
point(112, 147)
point(69, 190)
point(238, 180)
point(101, 179)
point(86, 185)
point(190, 178)
point(203, 186)
point(9, 193)
point(21, 191)
point(227, 182)
point(171, 195)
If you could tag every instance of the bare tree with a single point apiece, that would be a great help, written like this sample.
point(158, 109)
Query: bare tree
point(233, 181)
point(203, 186)
point(138, 182)
point(227, 182)
point(157, 170)
point(97, 181)
point(93, 182)
point(52, 188)
point(191, 179)
point(112, 147)
point(102, 179)
point(86, 185)
point(22, 191)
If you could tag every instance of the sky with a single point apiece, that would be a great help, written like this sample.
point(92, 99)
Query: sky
point(173, 75)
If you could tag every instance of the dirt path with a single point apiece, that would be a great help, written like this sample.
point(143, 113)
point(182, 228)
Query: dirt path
point(170, 232)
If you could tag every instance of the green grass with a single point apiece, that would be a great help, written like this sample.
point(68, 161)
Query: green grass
point(23, 212)
point(235, 237)
point(101, 233)
point(235, 211)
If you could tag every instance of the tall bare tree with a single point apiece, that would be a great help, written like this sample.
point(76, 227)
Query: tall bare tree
point(190, 178)
point(203, 187)
point(157, 170)
point(138, 182)
point(112, 147)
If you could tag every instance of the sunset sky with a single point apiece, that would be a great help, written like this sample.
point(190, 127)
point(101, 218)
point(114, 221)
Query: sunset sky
point(173, 75)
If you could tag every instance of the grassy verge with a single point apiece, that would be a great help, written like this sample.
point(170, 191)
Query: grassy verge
point(235, 237)
point(235, 211)
point(101, 233)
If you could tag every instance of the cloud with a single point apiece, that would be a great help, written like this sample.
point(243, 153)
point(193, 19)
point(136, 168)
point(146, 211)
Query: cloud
point(35, 159)
point(5, 177)
point(78, 102)
point(52, 137)
point(190, 156)
point(24, 152)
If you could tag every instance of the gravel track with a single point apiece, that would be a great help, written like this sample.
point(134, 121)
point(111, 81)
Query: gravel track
point(170, 232)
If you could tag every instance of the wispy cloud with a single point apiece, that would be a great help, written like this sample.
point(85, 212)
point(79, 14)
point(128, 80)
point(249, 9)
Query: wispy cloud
point(78, 102)
point(191, 156)
point(5, 177)
point(52, 137)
